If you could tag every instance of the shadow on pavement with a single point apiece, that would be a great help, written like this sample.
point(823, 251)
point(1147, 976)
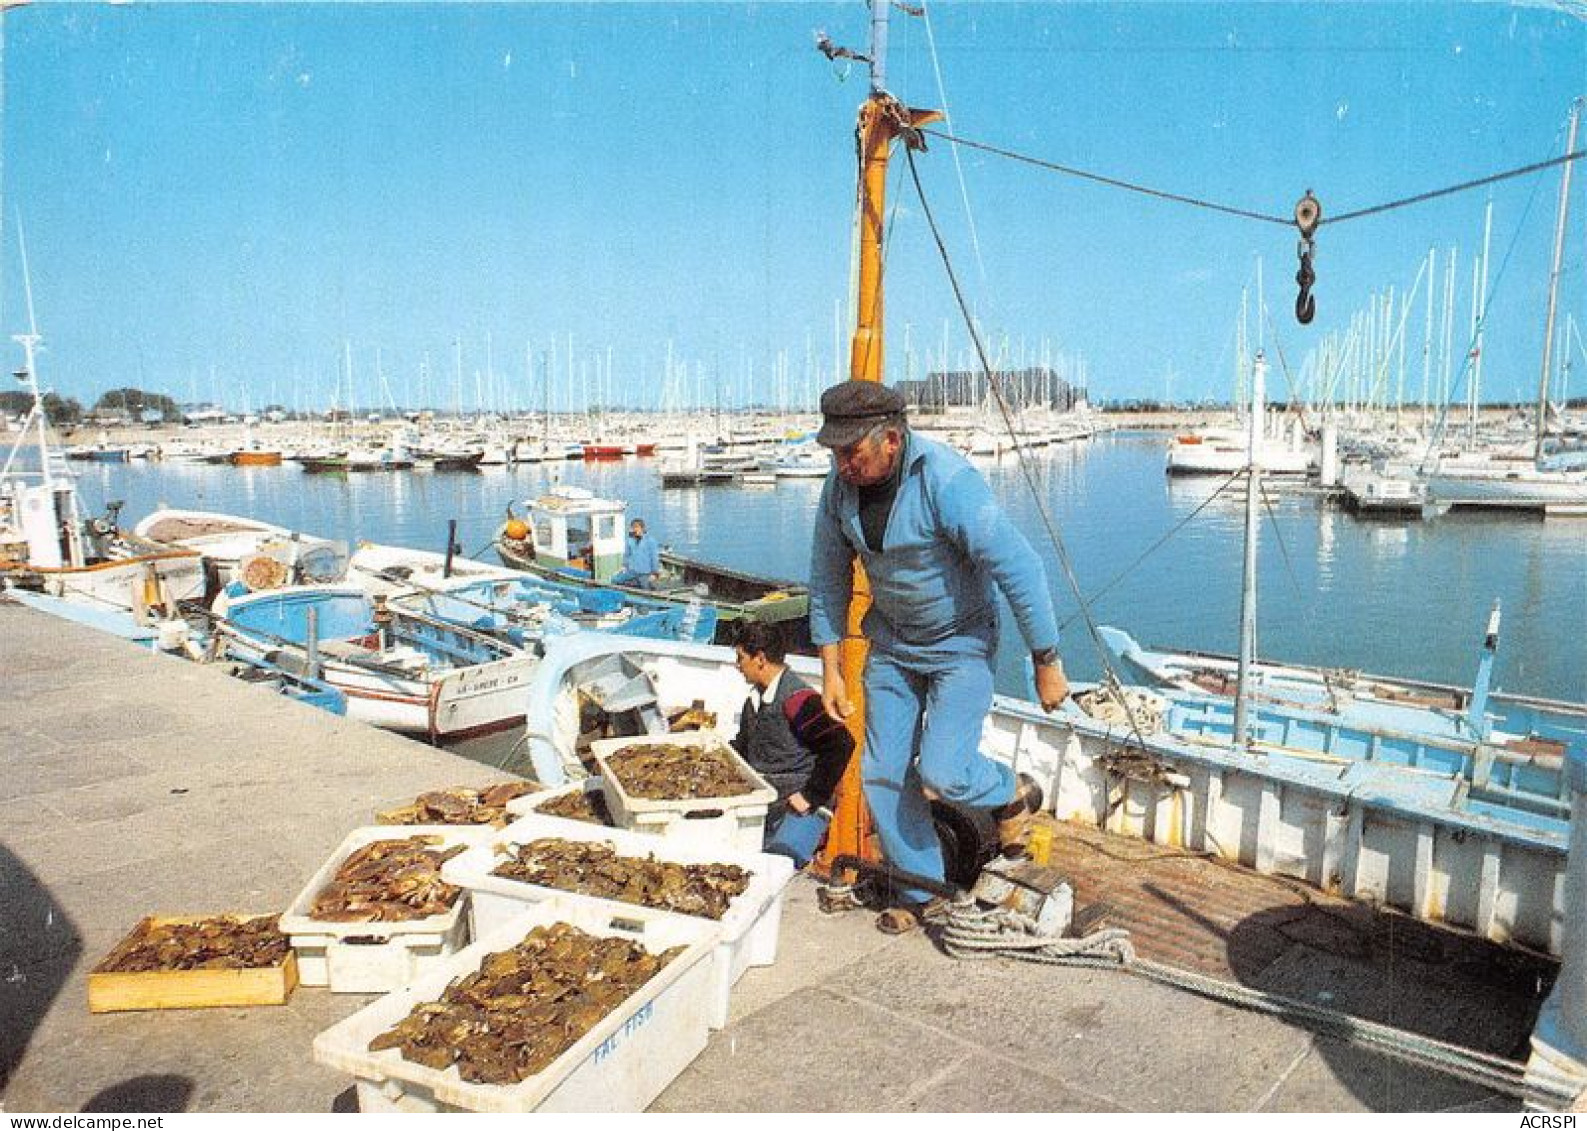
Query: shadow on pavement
point(39, 948)
point(144, 1093)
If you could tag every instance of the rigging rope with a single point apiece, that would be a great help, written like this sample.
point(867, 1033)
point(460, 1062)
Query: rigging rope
point(958, 164)
point(1113, 182)
point(1157, 545)
point(1283, 550)
point(1250, 214)
point(994, 386)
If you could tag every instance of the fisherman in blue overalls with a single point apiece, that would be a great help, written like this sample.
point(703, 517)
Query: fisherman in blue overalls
point(641, 559)
point(936, 548)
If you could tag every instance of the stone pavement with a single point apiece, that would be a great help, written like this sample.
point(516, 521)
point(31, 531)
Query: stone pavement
point(139, 784)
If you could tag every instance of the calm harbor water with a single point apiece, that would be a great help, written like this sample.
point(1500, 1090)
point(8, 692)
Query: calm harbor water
point(1403, 598)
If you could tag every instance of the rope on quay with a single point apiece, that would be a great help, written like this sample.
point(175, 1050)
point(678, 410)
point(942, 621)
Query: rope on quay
point(968, 931)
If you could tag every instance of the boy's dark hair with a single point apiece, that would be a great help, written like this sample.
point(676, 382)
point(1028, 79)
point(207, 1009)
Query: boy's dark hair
point(759, 637)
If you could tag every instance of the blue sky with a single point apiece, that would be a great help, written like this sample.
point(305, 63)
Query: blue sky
point(227, 200)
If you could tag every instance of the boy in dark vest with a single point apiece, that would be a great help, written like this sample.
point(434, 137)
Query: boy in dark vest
point(785, 733)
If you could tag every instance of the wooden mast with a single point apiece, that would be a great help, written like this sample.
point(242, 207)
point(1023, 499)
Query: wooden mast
point(882, 120)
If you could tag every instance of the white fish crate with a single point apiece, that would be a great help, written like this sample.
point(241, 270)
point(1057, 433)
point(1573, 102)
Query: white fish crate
point(620, 1065)
point(362, 958)
point(720, 822)
point(529, 805)
point(749, 928)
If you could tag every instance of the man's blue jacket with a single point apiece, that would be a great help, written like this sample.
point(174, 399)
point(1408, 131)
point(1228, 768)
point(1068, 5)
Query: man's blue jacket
point(947, 547)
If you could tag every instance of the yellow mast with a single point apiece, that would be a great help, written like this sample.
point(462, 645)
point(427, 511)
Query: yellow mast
point(882, 120)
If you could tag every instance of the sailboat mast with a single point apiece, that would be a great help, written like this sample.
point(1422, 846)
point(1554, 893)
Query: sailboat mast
point(1553, 282)
point(1253, 493)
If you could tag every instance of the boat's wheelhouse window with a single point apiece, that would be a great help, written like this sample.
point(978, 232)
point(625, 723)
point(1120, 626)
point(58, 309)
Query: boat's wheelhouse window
point(579, 543)
point(607, 527)
point(544, 533)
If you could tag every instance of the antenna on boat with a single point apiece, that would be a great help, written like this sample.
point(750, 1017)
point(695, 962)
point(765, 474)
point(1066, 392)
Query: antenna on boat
point(30, 341)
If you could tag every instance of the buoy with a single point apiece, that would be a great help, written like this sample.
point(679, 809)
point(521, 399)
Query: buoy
point(517, 529)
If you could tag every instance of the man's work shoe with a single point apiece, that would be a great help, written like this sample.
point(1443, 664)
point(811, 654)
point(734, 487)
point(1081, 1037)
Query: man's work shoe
point(1014, 819)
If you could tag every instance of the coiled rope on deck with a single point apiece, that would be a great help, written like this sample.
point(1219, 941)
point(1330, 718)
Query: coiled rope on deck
point(969, 931)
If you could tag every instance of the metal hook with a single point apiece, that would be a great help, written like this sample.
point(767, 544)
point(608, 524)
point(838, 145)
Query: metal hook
point(1305, 304)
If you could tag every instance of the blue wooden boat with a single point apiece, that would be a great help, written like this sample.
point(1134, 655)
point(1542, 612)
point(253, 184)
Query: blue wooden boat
point(523, 610)
point(1509, 749)
point(399, 669)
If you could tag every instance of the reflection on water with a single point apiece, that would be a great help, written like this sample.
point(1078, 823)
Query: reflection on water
point(1326, 517)
point(1389, 540)
point(1410, 598)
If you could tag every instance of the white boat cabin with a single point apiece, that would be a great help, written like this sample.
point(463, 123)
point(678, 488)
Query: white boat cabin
point(573, 529)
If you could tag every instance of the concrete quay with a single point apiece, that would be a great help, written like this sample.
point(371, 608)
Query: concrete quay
point(139, 784)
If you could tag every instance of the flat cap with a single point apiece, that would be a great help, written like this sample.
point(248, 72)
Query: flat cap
point(852, 408)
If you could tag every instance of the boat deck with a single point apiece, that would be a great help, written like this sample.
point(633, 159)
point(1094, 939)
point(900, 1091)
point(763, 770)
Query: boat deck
point(142, 785)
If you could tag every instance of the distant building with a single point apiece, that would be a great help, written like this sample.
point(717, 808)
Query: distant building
point(203, 414)
point(1023, 388)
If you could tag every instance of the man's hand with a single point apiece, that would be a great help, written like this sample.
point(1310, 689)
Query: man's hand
point(834, 692)
point(835, 698)
point(798, 804)
point(1052, 688)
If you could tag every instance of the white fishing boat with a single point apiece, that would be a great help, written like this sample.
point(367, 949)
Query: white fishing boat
point(1225, 451)
point(260, 554)
point(48, 545)
point(1511, 749)
point(574, 537)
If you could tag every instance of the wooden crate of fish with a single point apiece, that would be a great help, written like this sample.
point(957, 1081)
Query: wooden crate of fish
point(692, 787)
point(459, 805)
point(750, 917)
point(195, 962)
point(374, 918)
point(583, 802)
point(619, 1054)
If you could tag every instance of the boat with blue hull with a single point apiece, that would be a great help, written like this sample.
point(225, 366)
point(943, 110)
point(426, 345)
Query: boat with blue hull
point(1509, 748)
point(399, 669)
point(302, 687)
point(524, 610)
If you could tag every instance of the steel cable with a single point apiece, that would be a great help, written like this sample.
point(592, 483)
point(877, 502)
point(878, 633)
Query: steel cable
point(1251, 214)
point(994, 385)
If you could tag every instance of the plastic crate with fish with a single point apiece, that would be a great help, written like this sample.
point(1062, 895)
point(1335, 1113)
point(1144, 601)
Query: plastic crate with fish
point(364, 953)
point(735, 817)
point(620, 1063)
point(750, 919)
point(582, 802)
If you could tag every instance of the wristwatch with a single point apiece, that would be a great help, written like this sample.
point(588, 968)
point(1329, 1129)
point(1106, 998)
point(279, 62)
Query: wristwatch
point(1046, 658)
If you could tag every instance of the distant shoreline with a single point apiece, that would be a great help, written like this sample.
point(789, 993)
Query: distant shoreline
point(623, 424)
